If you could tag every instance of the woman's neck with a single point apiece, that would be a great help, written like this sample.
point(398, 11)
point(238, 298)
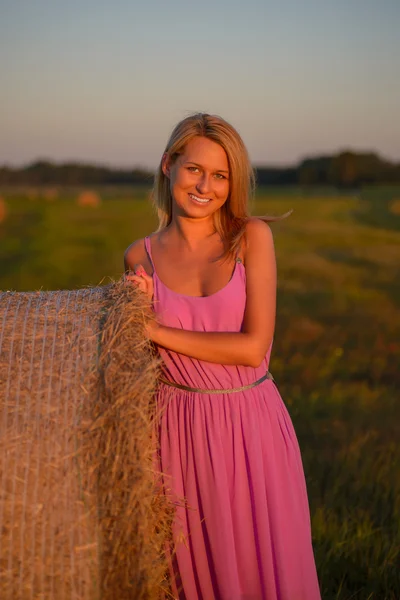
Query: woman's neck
point(190, 231)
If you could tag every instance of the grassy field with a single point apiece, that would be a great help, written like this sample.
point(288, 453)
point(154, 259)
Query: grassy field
point(336, 351)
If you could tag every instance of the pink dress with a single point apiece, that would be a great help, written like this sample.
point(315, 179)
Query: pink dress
point(244, 530)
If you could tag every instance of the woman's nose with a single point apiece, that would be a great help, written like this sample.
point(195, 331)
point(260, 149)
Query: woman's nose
point(204, 184)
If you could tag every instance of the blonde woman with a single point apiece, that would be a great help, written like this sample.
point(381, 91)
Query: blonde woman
point(227, 443)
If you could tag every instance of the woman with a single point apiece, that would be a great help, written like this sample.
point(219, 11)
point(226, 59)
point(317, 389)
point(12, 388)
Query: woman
point(227, 444)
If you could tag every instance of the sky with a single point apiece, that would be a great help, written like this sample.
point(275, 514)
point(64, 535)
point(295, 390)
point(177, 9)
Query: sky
point(105, 82)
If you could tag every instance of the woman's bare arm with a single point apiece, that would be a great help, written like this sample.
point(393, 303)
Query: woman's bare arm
point(250, 346)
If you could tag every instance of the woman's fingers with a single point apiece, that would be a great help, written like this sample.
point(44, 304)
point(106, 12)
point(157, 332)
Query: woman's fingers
point(142, 282)
point(141, 279)
point(134, 279)
point(139, 270)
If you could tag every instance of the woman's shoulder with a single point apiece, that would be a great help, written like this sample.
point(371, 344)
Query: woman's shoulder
point(257, 235)
point(259, 251)
point(134, 251)
point(257, 226)
point(136, 254)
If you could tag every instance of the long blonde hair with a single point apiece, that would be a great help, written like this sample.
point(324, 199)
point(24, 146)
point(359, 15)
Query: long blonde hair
point(230, 220)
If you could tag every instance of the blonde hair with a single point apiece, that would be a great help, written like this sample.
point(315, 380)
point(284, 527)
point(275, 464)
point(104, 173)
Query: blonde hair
point(230, 220)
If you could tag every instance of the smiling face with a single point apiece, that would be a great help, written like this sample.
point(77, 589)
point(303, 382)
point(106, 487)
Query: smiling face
point(199, 178)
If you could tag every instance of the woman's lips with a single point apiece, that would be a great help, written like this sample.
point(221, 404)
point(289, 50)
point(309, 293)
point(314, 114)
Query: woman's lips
point(199, 200)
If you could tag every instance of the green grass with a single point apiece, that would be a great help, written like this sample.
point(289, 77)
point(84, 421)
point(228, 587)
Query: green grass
point(60, 245)
point(336, 350)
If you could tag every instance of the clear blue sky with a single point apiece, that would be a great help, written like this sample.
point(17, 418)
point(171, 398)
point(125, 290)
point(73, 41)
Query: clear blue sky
point(106, 82)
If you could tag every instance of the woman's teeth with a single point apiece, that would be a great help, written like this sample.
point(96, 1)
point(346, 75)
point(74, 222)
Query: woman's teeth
point(201, 200)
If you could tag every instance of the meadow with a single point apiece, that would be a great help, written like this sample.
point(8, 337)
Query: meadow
point(336, 351)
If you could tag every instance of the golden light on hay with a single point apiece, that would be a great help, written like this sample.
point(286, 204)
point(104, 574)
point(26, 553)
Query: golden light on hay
point(89, 198)
point(3, 210)
point(82, 514)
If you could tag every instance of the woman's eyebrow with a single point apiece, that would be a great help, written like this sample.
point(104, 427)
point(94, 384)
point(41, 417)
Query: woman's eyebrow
point(191, 162)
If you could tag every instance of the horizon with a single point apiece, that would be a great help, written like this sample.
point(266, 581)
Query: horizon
point(138, 167)
point(105, 85)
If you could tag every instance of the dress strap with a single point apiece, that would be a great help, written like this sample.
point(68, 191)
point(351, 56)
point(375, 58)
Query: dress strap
point(239, 251)
point(147, 245)
point(237, 257)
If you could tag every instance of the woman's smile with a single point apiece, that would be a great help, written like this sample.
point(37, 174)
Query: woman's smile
point(198, 200)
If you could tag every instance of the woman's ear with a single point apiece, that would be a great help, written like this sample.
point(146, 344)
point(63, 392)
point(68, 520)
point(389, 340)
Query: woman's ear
point(166, 164)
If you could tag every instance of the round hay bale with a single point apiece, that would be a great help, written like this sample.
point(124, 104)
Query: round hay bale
point(81, 509)
point(3, 210)
point(89, 198)
point(394, 206)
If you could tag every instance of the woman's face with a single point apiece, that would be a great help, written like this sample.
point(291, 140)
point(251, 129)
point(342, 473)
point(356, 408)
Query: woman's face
point(199, 178)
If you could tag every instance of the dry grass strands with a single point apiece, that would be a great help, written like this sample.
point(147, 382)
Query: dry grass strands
point(48, 346)
point(136, 518)
point(81, 515)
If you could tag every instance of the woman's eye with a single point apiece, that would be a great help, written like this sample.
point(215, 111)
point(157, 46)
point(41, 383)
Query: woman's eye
point(193, 169)
point(219, 176)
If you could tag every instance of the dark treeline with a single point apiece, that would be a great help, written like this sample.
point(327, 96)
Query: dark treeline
point(347, 169)
point(49, 173)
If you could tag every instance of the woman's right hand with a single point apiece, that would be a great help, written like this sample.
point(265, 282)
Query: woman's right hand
point(142, 280)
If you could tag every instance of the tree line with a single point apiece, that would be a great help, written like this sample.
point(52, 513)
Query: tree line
point(345, 169)
point(44, 173)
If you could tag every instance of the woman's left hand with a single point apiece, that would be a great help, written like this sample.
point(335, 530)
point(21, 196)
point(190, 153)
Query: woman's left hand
point(141, 280)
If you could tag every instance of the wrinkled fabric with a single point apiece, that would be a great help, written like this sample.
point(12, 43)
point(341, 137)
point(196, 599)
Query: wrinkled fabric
point(232, 465)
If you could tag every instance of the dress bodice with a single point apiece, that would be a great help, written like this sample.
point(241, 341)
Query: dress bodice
point(222, 311)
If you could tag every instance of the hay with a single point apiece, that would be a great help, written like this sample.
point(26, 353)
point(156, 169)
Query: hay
point(88, 198)
point(136, 518)
point(81, 509)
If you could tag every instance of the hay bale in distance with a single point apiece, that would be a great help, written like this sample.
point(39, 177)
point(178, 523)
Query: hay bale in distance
point(89, 198)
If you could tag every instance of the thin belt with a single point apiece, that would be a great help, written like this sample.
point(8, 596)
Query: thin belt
point(228, 391)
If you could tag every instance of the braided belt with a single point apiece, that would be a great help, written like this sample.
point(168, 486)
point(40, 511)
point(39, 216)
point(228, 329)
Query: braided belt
point(228, 391)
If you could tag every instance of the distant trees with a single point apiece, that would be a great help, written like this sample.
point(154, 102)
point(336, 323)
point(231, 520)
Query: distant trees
point(48, 173)
point(276, 176)
point(346, 169)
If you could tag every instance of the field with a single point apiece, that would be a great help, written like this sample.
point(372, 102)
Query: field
point(336, 352)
